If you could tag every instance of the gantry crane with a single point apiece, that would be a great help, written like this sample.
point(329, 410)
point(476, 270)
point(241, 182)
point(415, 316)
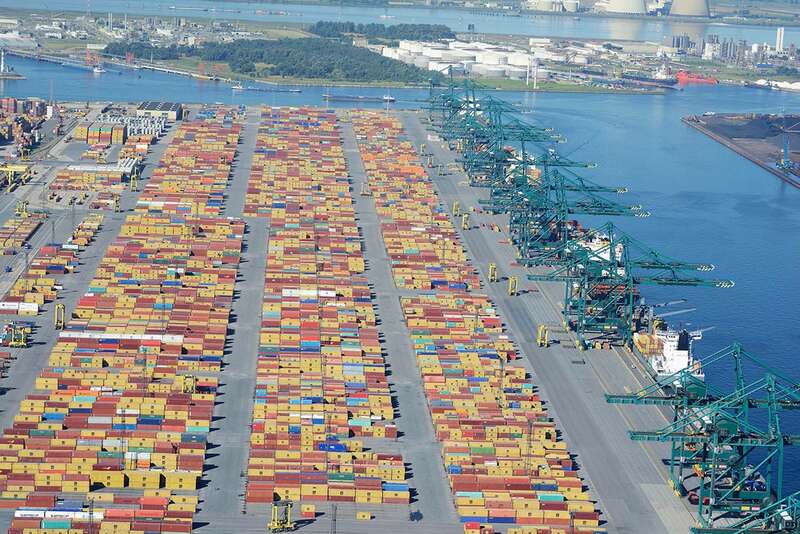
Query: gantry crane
point(727, 448)
point(602, 271)
point(13, 174)
point(782, 516)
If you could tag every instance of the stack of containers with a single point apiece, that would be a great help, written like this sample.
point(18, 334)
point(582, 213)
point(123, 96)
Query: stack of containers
point(421, 241)
point(137, 146)
point(152, 512)
point(88, 180)
point(37, 284)
point(82, 131)
point(499, 447)
point(105, 200)
point(152, 126)
point(194, 171)
point(84, 234)
point(17, 231)
point(120, 415)
point(321, 379)
point(103, 134)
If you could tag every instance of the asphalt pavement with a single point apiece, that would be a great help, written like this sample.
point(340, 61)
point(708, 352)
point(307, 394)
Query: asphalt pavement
point(627, 478)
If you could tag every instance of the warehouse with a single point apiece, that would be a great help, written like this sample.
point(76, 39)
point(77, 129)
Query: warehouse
point(166, 110)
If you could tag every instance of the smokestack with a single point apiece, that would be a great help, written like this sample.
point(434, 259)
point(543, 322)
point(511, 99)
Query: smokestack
point(689, 8)
point(635, 7)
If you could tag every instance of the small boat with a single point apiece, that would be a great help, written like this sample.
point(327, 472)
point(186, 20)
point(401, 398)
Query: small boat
point(98, 69)
point(237, 87)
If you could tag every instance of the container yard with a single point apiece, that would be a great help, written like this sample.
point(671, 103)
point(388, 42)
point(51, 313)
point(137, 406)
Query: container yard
point(305, 319)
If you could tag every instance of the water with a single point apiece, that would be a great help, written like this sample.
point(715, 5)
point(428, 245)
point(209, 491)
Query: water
point(708, 203)
point(650, 29)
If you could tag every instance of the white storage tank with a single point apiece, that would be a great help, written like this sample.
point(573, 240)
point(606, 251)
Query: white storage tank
point(519, 59)
point(421, 62)
point(433, 52)
point(489, 71)
point(405, 56)
point(516, 73)
point(538, 42)
point(492, 57)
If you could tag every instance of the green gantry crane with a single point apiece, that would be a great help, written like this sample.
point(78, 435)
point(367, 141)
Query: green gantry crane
point(726, 448)
point(780, 517)
point(602, 270)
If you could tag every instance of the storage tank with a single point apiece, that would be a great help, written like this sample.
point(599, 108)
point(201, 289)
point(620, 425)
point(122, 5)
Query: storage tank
point(492, 57)
point(634, 7)
point(433, 53)
point(516, 73)
point(421, 62)
point(457, 55)
point(519, 59)
point(538, 42)
point(489, 71)
point(689, 8)
point(405, 57)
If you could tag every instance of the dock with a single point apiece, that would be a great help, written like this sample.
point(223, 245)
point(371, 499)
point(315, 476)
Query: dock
point(624, 481)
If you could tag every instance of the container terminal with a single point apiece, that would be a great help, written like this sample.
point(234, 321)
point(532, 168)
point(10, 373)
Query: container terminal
point(431, 352)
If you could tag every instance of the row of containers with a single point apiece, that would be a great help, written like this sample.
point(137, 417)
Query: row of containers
point(321, 384)
point(39, 281)
point(102, 134)
point(17, 231)
point(195, 168)
point(500, 449)
point(113, 437)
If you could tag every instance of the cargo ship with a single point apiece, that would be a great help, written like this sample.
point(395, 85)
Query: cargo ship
point(660, 77)
point(668, 351)
point(358, 98)
point(685, 77)
point(262, 89)
point(6, 72)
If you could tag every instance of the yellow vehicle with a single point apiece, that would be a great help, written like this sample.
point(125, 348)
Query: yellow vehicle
point(512, 286)
point(281, 520)
point(542, 336)
point(59, 317)
point(492, 272)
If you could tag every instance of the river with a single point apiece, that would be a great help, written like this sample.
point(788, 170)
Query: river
point(649, 29)
point(707, 203)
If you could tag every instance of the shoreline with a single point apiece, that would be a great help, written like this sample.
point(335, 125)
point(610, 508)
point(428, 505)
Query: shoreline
point(301, 82)
point(526, 13)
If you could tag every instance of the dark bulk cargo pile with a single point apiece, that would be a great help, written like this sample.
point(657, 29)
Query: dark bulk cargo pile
point(119, 418)
point(321, 382)
point(499, 447)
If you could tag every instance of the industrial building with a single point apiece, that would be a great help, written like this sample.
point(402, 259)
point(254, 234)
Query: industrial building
point(166, 110)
